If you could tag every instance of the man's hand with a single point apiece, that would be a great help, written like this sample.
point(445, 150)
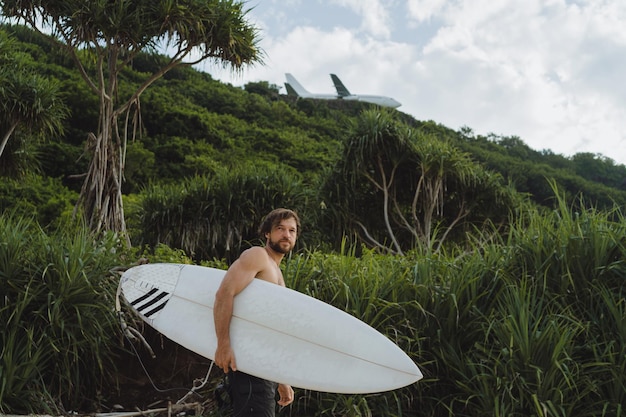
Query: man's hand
point(286, 395)
point(225, 358)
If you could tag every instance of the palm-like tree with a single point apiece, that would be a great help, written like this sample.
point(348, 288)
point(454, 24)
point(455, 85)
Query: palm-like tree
point(110, 34)
point(28, 102)
point(375, 149)
point(438, 163)
point(418, 176)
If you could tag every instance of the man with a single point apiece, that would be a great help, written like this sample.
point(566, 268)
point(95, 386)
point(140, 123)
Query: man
point(254, 397)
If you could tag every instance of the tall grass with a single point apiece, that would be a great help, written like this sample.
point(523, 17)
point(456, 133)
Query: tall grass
point(533, 324)
point(579, 258)
point(59, 329)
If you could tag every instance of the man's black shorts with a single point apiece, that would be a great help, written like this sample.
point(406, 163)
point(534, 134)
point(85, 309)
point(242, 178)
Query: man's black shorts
point(252, 396)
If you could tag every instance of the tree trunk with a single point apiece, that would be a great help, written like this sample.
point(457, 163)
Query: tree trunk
point(5, 140)
point(101, 193)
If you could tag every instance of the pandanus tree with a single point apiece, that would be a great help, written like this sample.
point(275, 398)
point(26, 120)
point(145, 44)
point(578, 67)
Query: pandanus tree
point(404, 187)
point(103, 37)
point(30, 104)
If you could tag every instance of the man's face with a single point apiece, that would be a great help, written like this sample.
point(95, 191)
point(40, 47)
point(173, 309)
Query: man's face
point(283, 236)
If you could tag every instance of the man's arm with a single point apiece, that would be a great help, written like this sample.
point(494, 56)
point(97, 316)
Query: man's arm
point(239, 276)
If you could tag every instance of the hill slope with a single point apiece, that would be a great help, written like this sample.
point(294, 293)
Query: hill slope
point(194, 125)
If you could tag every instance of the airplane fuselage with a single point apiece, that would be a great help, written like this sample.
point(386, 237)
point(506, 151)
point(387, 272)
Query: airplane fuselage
point(379, 100)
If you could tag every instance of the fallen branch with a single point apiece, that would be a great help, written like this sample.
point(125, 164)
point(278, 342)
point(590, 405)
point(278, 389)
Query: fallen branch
point(171, 409)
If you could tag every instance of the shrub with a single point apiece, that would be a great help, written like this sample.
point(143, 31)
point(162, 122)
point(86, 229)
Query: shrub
point(59, 329)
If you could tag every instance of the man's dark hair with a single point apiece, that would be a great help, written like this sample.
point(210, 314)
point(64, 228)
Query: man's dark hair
point(276, 216)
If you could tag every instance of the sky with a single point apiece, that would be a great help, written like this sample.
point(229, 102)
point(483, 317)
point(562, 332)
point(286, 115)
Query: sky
point(551, 72)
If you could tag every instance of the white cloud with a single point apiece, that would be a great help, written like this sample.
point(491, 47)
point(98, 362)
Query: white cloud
point(423, 10)
point(526, 68)
point(374, 14)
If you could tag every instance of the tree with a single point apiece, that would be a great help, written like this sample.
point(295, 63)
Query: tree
point(598, 168)
point(28, 102)
point(263, 88)
point(375, 150)
point(419, 187)
point(103, 37)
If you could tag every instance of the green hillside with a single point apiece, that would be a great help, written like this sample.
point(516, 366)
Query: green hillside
point(194, 125)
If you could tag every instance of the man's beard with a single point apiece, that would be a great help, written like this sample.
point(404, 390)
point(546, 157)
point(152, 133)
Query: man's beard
point(275, 246)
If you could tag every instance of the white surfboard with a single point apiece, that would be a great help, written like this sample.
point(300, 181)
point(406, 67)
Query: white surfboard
point(276, 333)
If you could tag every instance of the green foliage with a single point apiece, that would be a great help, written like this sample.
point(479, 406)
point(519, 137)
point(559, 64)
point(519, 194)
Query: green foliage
point(597, 178)
point(44, 199)
point(217, 217)
point(58, 329)
point(163, 253)
point(600, 169)
point(30, 104)
point(22, 156)
point(140, 167)
point(263, 88)
point(398, 187)
point(231, 127)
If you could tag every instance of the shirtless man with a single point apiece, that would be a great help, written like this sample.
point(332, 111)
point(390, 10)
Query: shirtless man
point(254, 397)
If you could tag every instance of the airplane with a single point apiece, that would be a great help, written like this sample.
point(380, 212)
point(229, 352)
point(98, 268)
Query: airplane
point(290, 90)
point(292, 85)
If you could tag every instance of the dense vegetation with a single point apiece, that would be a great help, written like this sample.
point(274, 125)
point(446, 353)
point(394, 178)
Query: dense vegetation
point(532, 323)
point(498, 268)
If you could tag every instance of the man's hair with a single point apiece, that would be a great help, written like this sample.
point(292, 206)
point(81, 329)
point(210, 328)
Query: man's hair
point(276, 216)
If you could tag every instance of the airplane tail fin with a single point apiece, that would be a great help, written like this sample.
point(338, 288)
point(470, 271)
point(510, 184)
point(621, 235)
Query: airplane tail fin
point(341, 89)
point(290, 90)
point(296, 86)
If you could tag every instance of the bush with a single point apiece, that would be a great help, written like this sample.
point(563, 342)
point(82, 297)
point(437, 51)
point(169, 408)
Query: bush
point(59, 329)
point(216, 217)
point(44, 199)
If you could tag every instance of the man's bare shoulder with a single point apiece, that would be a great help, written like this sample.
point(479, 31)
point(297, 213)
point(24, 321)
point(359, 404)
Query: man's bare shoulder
point(259, 260)
point(253, 254)
point(250, 264)
point(259, 250)
point(254, 260)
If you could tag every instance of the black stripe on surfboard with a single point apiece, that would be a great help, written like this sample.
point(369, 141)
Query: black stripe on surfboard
point(153, 301)
point(156, 309)
point(143, 297)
